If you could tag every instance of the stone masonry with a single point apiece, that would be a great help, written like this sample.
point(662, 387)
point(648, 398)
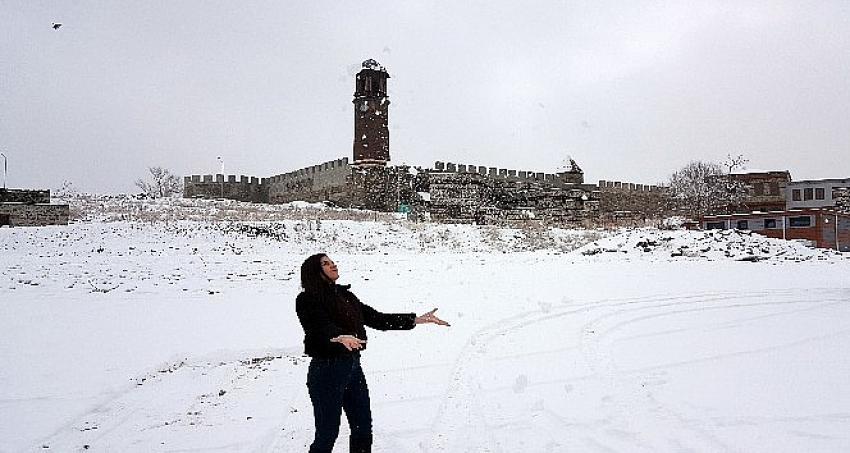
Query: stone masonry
point(623, 202)
point(20, 207)
point(245, 188)
point(478, 194)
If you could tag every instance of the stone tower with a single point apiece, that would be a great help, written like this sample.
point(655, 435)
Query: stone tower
point(371, 106)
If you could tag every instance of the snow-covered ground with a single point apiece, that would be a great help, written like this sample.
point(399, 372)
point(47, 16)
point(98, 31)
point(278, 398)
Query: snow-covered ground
point(181, 336)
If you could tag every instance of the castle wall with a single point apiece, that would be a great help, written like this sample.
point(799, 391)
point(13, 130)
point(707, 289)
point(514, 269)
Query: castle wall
point(555, 179)
point(24, 196)
point(22, 214)
point(245, 188)
point(469, 193)
point(327, 181)
point(625, 201)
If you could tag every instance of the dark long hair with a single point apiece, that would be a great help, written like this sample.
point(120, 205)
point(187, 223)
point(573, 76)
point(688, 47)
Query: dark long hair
point(312, 276)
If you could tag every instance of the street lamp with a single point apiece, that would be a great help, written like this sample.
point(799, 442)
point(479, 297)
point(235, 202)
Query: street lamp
point(222, 175)
point(4, 171)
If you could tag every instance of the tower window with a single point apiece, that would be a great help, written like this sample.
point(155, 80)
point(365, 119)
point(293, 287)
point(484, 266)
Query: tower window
point(819, 193)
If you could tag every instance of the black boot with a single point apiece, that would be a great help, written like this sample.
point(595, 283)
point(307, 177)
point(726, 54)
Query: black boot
point(360, 444)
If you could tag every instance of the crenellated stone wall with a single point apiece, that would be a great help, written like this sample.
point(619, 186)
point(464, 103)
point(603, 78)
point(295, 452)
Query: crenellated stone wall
point(24, 196)
point(626, 186)
point(488, 196)
point(20, 214)
point(625, 202)
point(574, 176)
point(241, 188)
point(327, 181)
point(22, 207)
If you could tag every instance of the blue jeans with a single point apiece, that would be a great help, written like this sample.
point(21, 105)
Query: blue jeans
point(338, 384)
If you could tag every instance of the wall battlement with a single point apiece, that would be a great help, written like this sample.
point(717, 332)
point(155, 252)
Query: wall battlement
point(23, 207)
point(241, 188)
point(24, 196)
point(568, 177)
point(317, 182)
point(312, 171)
point(219, 178)
point(627, 186)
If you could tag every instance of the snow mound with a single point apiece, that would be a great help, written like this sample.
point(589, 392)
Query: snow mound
point(712, 245)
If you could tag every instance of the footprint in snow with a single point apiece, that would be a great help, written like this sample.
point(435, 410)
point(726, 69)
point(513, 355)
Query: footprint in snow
point(521, 383)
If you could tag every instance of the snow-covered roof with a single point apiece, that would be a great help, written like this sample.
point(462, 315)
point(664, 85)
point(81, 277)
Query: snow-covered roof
point(748, 171)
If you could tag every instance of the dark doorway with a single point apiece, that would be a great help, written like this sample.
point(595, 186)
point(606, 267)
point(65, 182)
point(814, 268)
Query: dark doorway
point(5, 220)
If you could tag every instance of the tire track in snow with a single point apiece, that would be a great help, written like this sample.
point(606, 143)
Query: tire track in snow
point(460, 401)
point(188, 403)
point(626, 387)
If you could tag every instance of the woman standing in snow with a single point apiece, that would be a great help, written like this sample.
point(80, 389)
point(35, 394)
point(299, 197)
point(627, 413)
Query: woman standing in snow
point(333, 320)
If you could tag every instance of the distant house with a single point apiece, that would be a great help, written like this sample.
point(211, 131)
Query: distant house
point(824, 228)
point(765, 189)
point(815, 193)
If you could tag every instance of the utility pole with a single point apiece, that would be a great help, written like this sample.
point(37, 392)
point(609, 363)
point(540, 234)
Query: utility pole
point(837, 244)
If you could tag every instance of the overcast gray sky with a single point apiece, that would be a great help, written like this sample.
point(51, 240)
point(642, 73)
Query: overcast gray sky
point(630, 90)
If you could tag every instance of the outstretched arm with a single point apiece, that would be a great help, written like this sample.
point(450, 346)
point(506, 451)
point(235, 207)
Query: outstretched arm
point(430, 317)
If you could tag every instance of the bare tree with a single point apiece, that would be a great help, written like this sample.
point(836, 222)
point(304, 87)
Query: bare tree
point(736, 191)
point(162, 184)
point(703, 188)
point(733, 163)
point(697, 189)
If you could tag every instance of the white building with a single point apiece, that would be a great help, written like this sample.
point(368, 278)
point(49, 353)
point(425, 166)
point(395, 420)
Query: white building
point(816, 193)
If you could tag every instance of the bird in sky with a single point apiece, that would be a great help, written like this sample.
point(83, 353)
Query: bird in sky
point(56, 26)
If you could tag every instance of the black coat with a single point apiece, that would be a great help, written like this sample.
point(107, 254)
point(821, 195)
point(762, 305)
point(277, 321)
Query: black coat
point(337, 311)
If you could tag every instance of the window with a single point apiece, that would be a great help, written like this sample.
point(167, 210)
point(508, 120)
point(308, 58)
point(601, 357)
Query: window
point(800, 221)
point(715, 225)
point(795, 195)
point(769, 224)
point(819, 193)
point(767, 188)
point(808, 194)
point(743, 225)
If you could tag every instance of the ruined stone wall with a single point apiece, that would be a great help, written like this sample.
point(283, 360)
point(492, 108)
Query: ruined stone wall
point(627, 202)
point(245, 188)
point(21, 214)
point(477, 197)
point(24, 196)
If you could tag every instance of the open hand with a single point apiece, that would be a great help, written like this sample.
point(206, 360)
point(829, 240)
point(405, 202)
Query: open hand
point(349, 341)
point(430, 317)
